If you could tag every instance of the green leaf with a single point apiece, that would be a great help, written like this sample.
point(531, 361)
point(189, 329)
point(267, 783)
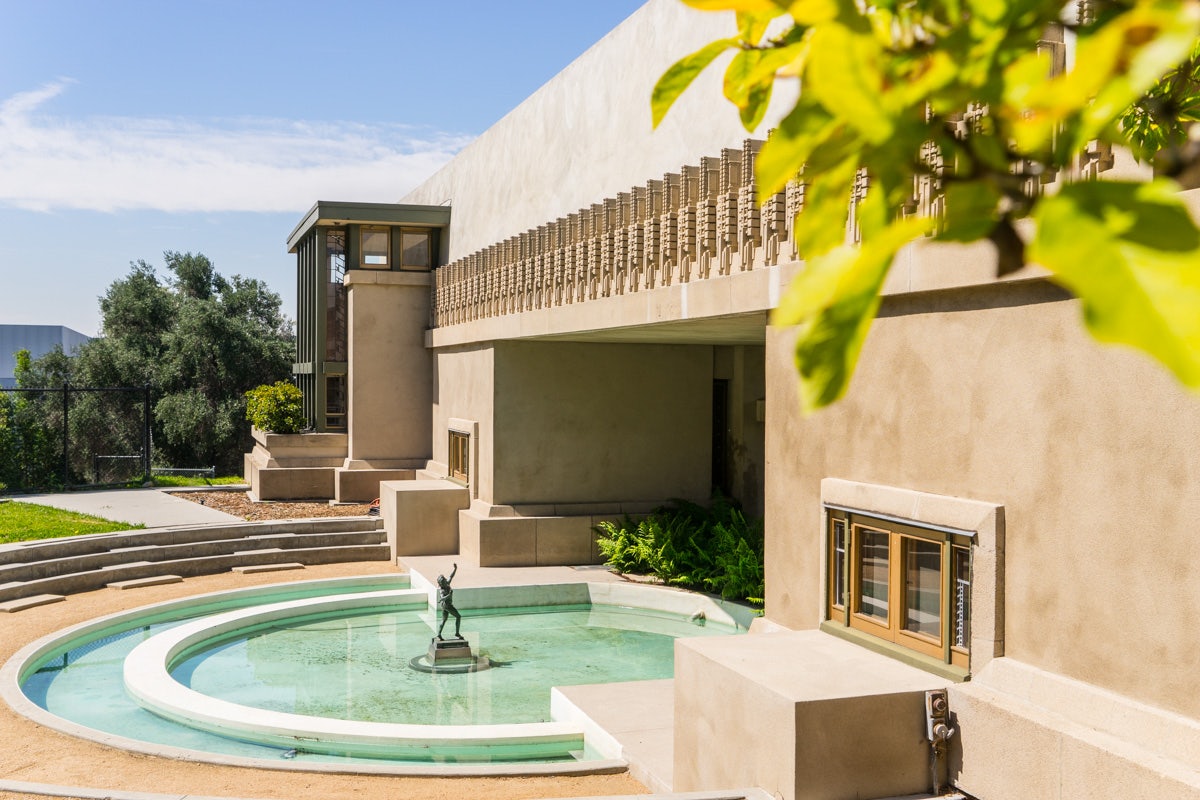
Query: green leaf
point(788, 149)
point(843, 75)
point(833, 302)
point(752, 25)
point(750, 95)
point(971, 211)
point(680, 76)
point(821, 224)
point(1131, 253)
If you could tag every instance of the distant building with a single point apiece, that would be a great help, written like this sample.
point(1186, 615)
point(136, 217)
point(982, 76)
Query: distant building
point(38, 340)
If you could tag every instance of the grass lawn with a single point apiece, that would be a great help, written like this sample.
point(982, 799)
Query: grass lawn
point(23, 522)
point(181, 480)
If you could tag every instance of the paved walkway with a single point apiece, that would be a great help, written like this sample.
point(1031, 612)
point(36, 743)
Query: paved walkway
point(153, 508)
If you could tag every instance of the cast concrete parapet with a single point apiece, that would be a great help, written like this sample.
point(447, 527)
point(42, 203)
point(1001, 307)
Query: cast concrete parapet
point(284, 448)
point(294, 465)
point(421, 517)
point(800, 714)
point(1059, 738)
point(520, 541)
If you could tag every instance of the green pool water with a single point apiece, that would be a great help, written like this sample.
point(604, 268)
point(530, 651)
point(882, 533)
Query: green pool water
point(354, 666)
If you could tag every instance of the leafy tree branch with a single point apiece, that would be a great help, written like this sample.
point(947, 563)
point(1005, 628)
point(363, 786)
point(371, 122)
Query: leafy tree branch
point(985, 89)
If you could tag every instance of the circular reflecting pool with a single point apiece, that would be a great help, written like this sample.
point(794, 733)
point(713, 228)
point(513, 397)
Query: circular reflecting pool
point(349, 669)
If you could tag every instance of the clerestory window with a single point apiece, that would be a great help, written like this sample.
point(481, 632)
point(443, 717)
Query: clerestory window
point(374, 248)
point(901, 583)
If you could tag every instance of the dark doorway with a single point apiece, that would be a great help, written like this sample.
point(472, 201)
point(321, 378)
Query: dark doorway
point(720, 436)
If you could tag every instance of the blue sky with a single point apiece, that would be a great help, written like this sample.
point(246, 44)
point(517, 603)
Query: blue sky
point(130, 127)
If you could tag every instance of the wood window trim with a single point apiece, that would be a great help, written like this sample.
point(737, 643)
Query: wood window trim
point(363, 232)
point(835, 600)
point(900, 539)
point(469, 429)
point(982, 521)
point(399, 246)
point(458, 460)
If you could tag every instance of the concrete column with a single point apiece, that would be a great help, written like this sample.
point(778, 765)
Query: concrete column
point(390, 380)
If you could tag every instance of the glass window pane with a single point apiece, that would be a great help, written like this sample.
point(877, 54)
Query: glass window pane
point(961, 560)
point(923, 587)
point(335, 401)
point(415, 245)
point(374, 248)
point(837, 580)
point(873, 574)
point(335, 253)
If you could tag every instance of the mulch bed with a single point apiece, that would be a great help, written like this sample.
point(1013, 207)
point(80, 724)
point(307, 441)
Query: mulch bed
point(240, 505)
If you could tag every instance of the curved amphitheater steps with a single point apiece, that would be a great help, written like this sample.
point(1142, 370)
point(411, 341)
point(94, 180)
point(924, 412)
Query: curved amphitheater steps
point(39, 572)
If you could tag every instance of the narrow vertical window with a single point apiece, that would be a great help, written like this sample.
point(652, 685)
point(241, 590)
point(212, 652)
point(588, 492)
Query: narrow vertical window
point(335, 295)
point(837, 565)
point(335, 402)
point(874, 552)
point(459, 460)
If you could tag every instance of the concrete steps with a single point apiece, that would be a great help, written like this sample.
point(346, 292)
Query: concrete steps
point(84, 563)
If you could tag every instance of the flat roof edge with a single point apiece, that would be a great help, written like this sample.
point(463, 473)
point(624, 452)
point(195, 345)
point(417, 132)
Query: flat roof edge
point(333, 212)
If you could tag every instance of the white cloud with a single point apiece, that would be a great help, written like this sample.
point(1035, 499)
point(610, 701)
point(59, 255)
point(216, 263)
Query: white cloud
point(116, 163)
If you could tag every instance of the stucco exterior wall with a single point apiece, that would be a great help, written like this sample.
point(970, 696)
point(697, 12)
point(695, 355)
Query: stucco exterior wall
point(464, 388)
point(998, 394)
point(591, 423)
point(389, 386)
point(586, 134)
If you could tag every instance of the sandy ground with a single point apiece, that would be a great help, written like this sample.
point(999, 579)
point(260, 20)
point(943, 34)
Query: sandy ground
point(29, 752)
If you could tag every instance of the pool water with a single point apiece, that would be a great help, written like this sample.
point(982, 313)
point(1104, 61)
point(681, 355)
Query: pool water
point(354, 665)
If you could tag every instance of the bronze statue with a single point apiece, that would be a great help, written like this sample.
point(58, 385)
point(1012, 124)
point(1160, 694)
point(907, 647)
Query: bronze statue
point(446, 603)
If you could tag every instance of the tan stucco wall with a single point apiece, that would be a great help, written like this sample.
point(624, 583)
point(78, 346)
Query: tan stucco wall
point(586, 134)
point(464, 388)
point(997, 394)
point(589, 423)
point(389, 381)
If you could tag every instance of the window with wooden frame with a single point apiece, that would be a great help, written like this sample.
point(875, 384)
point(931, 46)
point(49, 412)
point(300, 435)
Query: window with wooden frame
point(459, 460)
point(416, 249)
point(374, 248)
point(901, 583)
point(335, 402)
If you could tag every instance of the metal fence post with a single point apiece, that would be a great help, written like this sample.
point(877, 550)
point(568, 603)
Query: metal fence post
point(146, 473)
point(66, 452)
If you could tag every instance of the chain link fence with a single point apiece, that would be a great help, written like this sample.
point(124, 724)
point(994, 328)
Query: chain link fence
point(73, 437)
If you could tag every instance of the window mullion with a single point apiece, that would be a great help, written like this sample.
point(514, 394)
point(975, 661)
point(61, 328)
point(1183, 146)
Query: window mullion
point(895, 584)
point(947, 595)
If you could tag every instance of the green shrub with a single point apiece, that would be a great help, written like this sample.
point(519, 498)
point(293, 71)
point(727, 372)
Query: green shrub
point(713, 549)
point(276, 408)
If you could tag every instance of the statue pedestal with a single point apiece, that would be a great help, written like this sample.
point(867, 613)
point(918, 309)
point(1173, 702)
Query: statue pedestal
point(449, 656)
point(449, 651)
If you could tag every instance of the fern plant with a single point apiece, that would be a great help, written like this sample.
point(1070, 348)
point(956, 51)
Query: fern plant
point(714, 549)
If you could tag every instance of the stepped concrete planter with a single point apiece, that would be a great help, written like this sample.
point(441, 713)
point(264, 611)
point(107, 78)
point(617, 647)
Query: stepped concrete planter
point(293, 466)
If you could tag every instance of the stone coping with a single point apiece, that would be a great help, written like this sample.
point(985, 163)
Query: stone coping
point(148, 681)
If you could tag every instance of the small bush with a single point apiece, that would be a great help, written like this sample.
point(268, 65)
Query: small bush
point(713, 549)
point(276, 408)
